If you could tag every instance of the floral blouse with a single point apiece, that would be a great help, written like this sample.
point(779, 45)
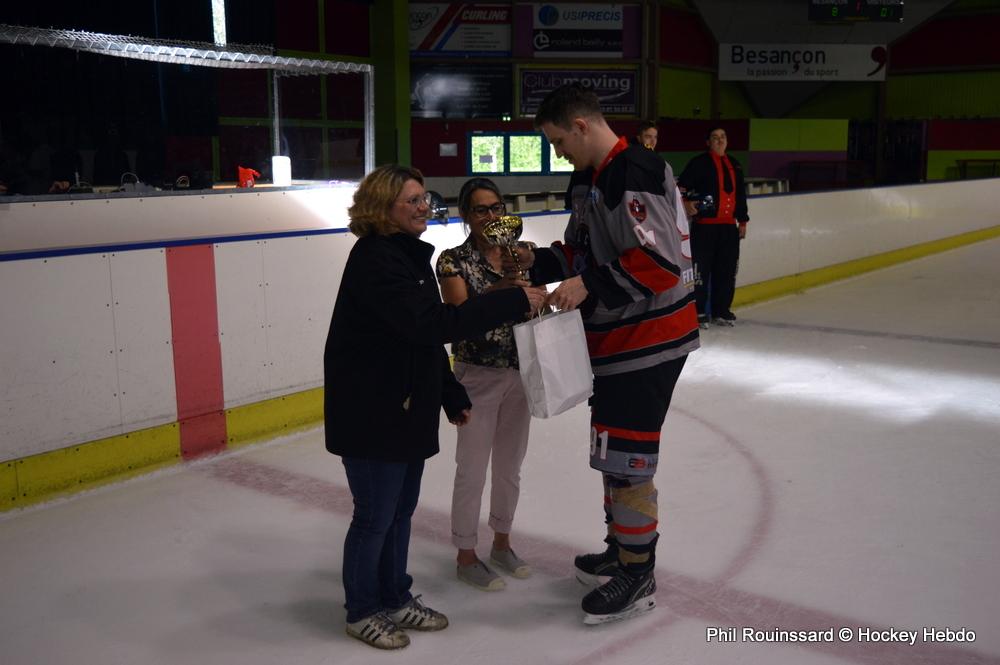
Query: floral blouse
point(496, 348)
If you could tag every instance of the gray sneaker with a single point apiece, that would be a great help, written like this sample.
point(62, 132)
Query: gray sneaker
point(379, 631)
point(510, 563)
point(480, 576)
point(417, 616)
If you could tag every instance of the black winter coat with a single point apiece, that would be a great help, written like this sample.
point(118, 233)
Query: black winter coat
point(386, 371)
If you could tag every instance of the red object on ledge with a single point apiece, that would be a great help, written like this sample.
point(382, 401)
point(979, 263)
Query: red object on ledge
point(245, 177)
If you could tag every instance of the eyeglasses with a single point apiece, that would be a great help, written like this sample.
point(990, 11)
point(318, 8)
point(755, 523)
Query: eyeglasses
point(496, 209)
point(415, 201)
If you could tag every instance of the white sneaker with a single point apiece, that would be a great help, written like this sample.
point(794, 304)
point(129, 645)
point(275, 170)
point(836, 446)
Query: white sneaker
point(417, 616)
point(379, 631)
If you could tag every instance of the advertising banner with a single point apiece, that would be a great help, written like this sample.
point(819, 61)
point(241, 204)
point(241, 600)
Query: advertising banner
point(802, 62)
point(560, 30)
point(617, 88)
point(460, 30)
point(453, 90)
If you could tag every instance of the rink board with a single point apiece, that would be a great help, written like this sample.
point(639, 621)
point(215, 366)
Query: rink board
point(88, 379)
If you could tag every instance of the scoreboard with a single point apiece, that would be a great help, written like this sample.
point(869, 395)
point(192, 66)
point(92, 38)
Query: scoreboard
point(835, 11)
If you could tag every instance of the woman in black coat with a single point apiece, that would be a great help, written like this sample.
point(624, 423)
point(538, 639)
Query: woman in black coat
point(387, 377)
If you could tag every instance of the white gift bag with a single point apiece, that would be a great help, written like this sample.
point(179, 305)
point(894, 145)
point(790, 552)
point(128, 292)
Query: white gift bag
point(555, 364)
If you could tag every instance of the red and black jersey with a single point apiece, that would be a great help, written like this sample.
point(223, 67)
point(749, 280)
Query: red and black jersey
point(627, 238)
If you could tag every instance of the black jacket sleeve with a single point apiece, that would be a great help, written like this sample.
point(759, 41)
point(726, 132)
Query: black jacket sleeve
point(741, 213)
point(547, 267)
point(454, 398)
point(700, 175)
point(409, 305)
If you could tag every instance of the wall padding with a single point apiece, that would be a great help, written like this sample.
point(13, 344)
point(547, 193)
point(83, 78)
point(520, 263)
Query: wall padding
point(59, 380)
point(83, 363)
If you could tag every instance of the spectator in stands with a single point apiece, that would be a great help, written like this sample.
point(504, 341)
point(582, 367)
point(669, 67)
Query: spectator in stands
point(488, 369)
point(387, 378)
point(716, 230)
point(647, 135)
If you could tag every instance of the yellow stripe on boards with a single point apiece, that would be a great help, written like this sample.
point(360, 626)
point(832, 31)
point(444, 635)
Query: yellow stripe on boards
point(41, 477)
point(274, 417)
point(87, 465)
point(8, 485)
point(783, 286)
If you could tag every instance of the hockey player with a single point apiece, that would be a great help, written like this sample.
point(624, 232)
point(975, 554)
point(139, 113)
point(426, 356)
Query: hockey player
point(626, 263)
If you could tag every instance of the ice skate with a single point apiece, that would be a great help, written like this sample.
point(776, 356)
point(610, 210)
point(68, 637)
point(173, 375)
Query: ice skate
point(595, 569)
point(626, 595)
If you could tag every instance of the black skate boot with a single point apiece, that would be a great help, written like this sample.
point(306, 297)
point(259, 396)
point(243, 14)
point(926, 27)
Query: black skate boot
point(628, 594)
point(595, 569)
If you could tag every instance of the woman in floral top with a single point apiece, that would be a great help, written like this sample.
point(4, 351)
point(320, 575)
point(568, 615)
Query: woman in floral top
point(487, 367)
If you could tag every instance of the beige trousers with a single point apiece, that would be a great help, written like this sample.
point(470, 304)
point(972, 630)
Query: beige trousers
point(498, 428)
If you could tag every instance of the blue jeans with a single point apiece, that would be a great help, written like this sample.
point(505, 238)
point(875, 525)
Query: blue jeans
point(375, 550)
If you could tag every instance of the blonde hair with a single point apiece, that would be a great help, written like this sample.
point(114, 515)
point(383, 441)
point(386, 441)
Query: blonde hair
point(375, 197)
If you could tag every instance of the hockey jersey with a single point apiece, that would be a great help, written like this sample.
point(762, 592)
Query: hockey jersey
point(628, 239)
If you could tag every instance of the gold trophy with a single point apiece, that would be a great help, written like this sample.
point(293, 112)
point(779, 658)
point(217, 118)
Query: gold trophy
point(504, 231)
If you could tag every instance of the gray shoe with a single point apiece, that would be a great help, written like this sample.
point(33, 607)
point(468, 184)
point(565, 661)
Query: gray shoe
point(379, 631)
point(480, 576)
point(417, 616)
point(510, 563)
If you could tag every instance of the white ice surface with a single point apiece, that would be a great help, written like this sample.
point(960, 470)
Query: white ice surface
point(833, 461)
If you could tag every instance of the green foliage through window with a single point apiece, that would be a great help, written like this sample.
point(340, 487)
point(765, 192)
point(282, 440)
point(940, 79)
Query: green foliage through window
point(513, 153)
point(525, 154)
point(488, 154)
point(558, 164)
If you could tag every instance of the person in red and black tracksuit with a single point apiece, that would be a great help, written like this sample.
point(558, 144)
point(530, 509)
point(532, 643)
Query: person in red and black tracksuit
point(716, 233)
point(625, 262)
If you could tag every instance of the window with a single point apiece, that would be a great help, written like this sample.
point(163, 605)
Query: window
point(489, 154)
point(513, 153)
point(558, 164)
point(526, 154)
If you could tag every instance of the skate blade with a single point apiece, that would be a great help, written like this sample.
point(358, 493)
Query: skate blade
point(591, 580)
point(641, 606)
